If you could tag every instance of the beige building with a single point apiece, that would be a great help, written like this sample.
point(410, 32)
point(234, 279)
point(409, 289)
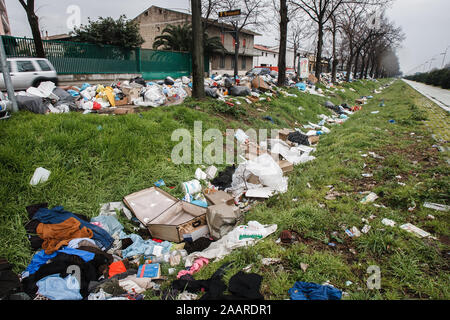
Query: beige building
point(153, 21)
point(5, 28)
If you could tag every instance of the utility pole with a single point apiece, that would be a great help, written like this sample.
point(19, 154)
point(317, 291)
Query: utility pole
point(7, 77)
point(445, 54)
point(198, 69)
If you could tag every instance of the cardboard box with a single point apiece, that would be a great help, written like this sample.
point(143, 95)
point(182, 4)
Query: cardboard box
point(165, 216)
point(121, 102)
point(313, 139)
point(253, 179)
point(222, 218)
point(131, 93)
point(286, 166)
point(219, 197)
point(284, 133)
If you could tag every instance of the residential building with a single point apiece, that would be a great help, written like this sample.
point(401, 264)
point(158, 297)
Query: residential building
point(264, 56)
point(5, 28)
point(153, 21)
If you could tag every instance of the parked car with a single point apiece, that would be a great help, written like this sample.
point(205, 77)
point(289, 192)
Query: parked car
point(27, 72)
point(258, 71)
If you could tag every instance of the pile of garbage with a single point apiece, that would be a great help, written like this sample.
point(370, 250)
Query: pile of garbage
point(47, 98)
point(97, 259)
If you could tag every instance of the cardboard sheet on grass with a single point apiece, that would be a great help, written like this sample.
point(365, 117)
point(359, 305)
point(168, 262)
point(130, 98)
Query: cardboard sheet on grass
point(165, 216)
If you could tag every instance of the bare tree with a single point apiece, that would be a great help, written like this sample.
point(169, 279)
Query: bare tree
point(33, 20)
point(320, 11)
point(197, 51)
point(284, 20)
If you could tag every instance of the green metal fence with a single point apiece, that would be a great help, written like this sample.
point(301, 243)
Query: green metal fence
point(70, 57)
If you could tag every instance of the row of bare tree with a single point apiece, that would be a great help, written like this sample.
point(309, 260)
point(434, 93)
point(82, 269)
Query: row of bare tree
point(354, 35)
point(351, 35)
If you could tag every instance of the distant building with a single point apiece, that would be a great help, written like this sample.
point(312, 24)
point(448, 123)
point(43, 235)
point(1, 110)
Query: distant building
point(264, 56)
point(153, 21)
point(5, 28)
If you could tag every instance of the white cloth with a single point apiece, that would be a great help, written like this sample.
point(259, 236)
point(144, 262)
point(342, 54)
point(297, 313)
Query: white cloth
point(222, 247)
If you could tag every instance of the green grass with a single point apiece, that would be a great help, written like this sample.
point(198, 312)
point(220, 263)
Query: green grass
point(96, 159)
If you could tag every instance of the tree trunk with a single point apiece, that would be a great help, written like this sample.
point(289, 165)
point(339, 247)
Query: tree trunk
point(283, 43)
point(319, 51)
point(355, 70)
point(198, 91)
point(236, 54)
point(335, 62)
point(363, 65)
point(349, 68)
point(34, 25)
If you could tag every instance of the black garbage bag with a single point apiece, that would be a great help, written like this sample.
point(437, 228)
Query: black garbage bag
point(239, 91)
point(169, 81)
point(139, 80)
point(228, 83)
point(299, 138)
point(32, 103)
point(211, 92)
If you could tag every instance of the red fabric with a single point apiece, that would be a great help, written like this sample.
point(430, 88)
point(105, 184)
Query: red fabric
point(116, 268)
point(157, 240)
point(96, 106)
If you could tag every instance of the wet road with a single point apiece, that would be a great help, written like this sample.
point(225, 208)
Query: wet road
point(438, 95)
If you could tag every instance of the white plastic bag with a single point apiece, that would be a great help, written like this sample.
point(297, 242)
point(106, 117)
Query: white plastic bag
point(269, 172)
point(153, 97)
point(40, 175)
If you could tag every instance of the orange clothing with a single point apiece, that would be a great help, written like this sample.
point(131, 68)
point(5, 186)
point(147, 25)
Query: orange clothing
point(116, 268)
point(59, 234)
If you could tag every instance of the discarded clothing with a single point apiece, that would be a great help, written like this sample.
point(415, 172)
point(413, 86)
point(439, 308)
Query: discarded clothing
point(88, 272)
point(298, 137)
point(56, 288)
point(313, 291)
point(58, 215)
point(116, 268)
point(244, 235)
point(245, 286)
point(196, 266)
point(9, 281)
point(75, 243)
point(109, 223)
point(41, 258)
point(224, 178)
point(57, 235)
point(198, 245)
point(143, 247)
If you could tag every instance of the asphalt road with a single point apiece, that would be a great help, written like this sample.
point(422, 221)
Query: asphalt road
point(438, 95)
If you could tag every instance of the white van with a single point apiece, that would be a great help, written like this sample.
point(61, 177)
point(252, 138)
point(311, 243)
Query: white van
point(27, 72)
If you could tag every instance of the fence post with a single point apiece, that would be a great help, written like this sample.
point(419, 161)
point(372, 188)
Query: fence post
point(7, 77)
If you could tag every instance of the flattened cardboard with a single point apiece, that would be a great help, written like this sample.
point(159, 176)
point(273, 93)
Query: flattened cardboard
point(219, 197)
point(283, 134)
point(286, 166)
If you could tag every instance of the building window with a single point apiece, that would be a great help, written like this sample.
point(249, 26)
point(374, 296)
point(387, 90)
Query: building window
point(274, 55)
point(158, 29)
point(222, 62)
point(244, 63)
point(262, 53)
point(146, 13)
point(243, 43)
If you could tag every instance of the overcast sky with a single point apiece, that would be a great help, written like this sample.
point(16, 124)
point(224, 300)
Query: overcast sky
point(425, 23)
